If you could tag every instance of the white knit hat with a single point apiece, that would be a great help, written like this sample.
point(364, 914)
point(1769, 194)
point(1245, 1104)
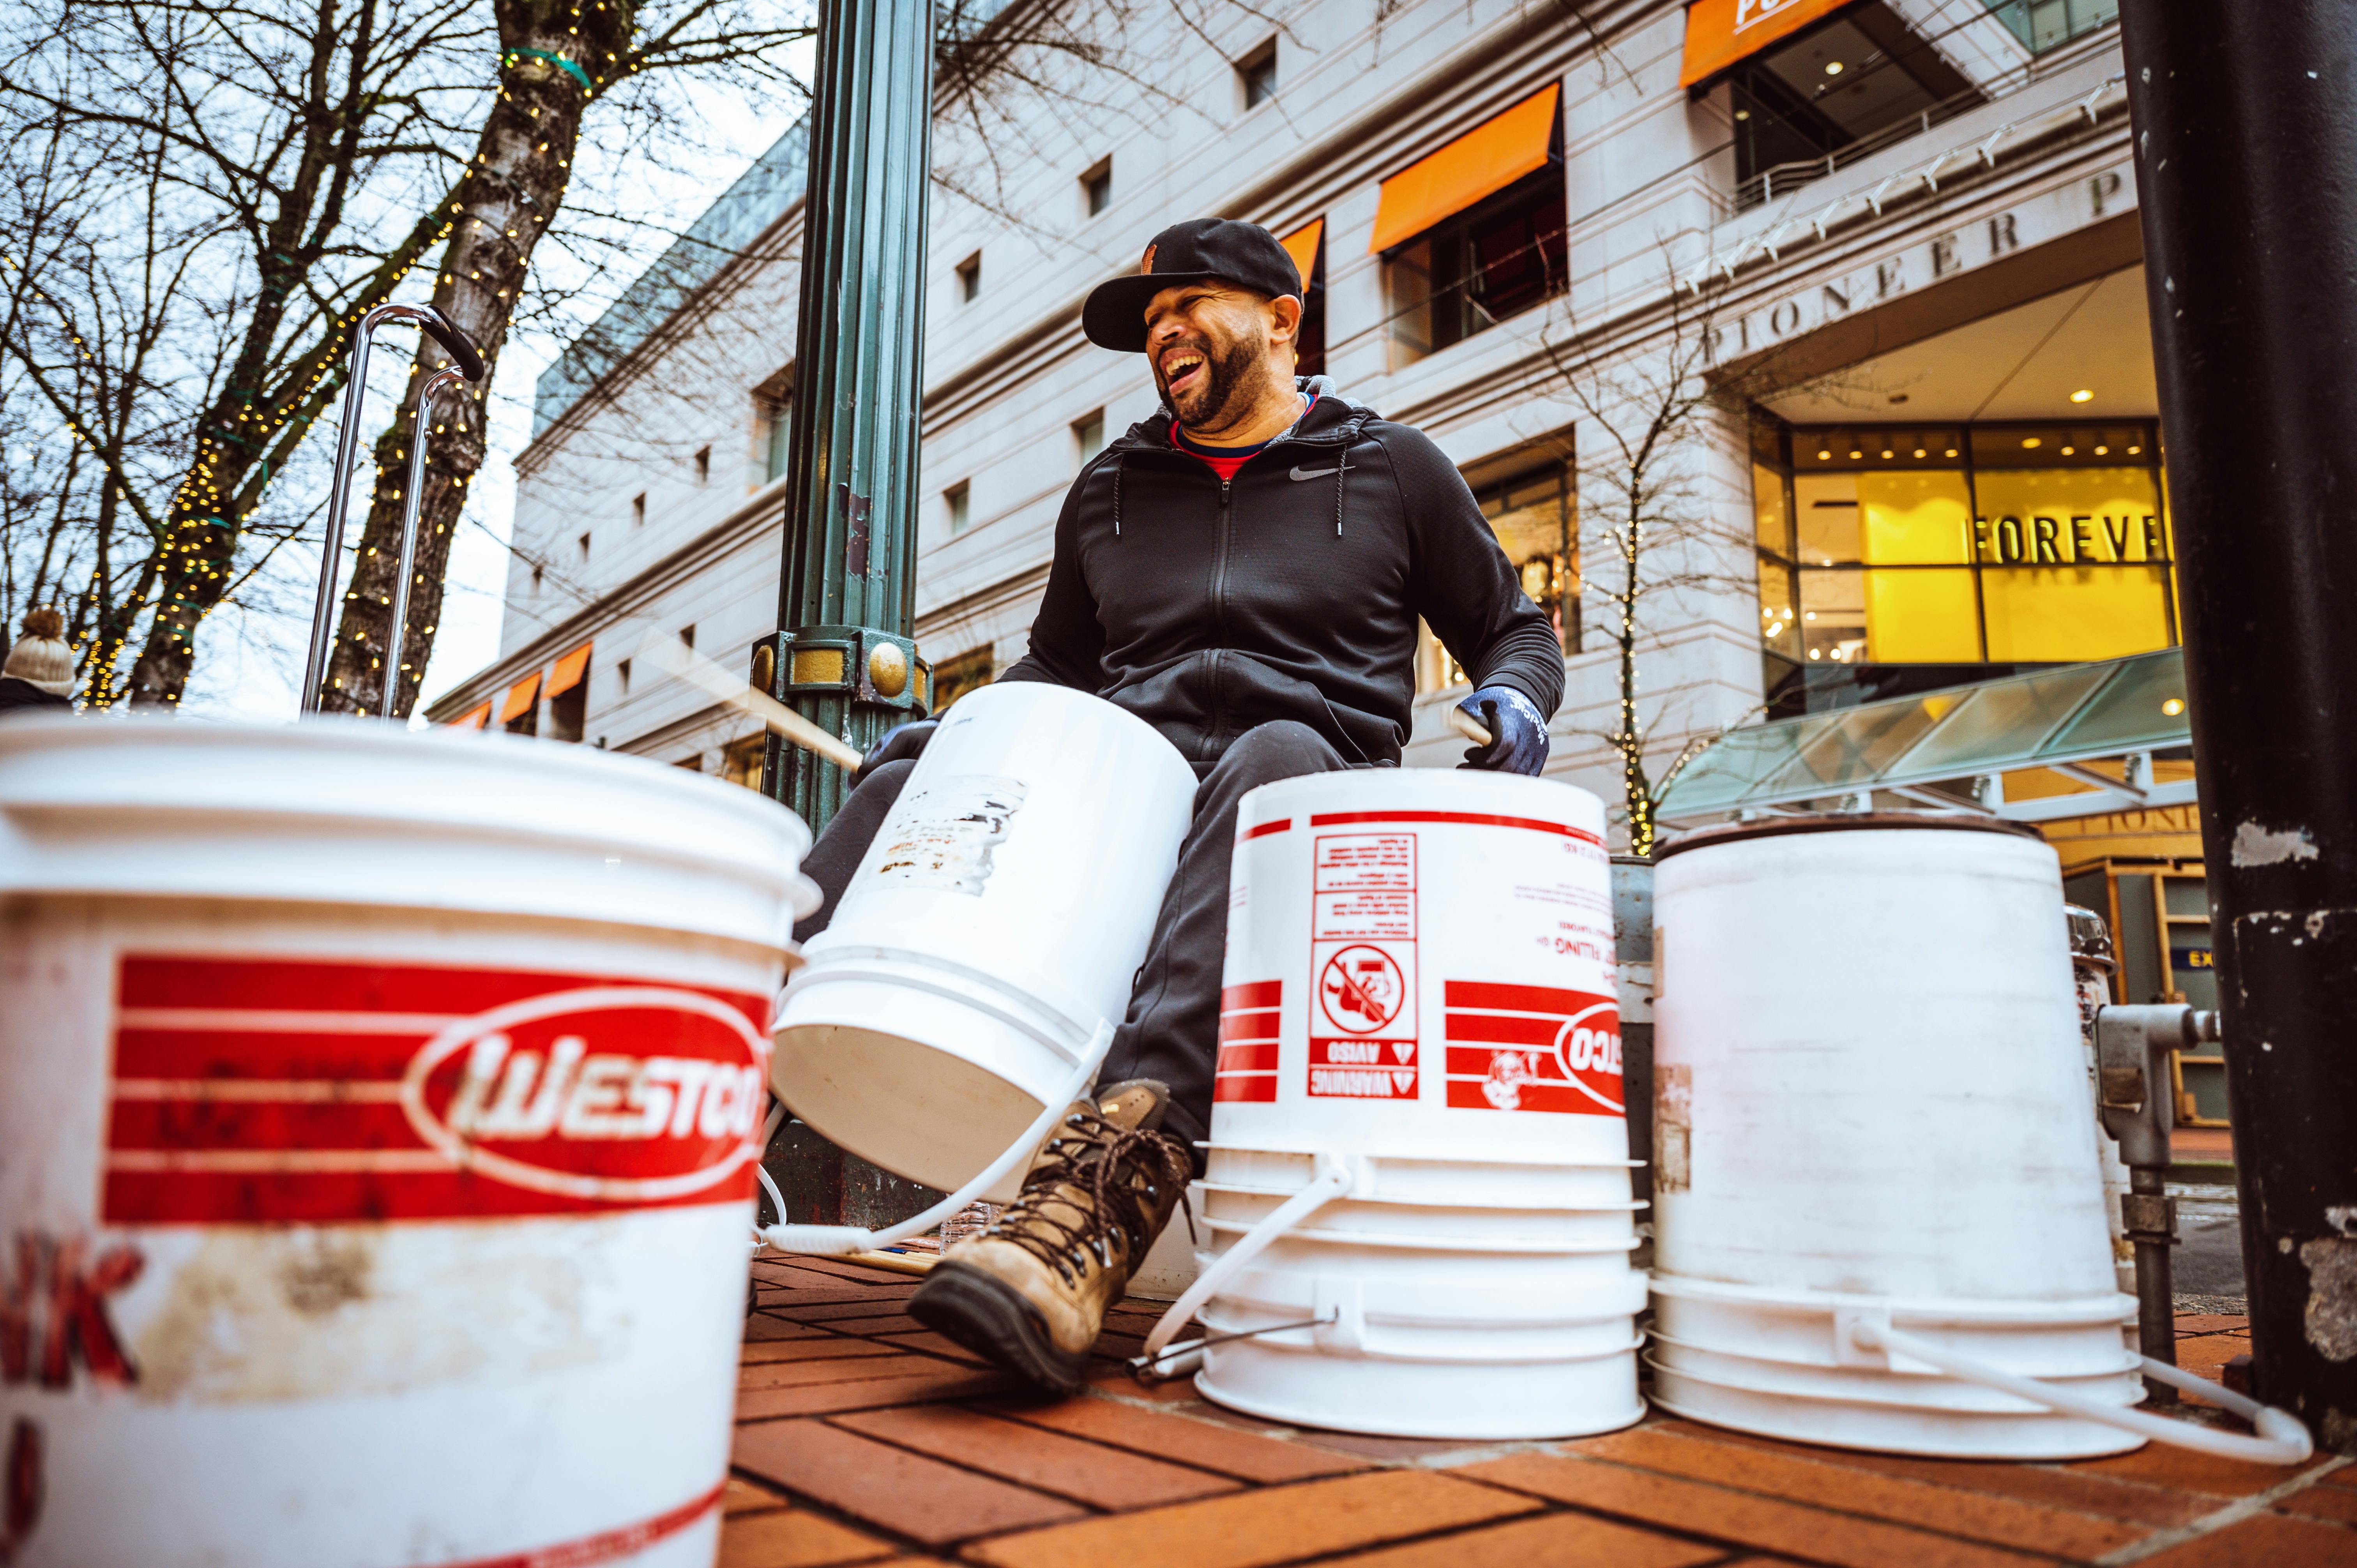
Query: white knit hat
point(42, 656)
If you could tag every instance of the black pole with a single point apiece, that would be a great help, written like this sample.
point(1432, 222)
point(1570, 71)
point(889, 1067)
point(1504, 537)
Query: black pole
point(2245, 124)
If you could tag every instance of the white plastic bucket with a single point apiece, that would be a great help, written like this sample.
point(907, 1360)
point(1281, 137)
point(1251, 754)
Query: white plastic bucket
point(327, 1304)
point(995, 926)
point(1418, 1143)
point(1870, 1105)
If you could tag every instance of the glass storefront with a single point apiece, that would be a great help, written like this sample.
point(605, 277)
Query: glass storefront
point(1904, 557)
point(1533, 516)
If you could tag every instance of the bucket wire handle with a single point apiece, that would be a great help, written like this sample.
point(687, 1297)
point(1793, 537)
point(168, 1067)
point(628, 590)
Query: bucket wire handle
point(841, 1240)
point(1333, 1179)
point(2281, 1439)
point(443, 330)
point(443, 377)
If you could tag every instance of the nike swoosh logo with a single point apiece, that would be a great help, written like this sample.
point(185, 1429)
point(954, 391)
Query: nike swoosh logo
point(1301, 473)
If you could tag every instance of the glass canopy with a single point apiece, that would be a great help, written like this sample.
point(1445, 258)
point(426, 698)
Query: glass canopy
point(1926, 747)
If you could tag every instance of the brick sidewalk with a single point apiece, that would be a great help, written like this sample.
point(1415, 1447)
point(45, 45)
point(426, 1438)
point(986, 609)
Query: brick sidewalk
point(861, 1438)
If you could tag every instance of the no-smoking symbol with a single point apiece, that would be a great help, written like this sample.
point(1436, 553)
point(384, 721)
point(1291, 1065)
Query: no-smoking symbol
point(1361, 989)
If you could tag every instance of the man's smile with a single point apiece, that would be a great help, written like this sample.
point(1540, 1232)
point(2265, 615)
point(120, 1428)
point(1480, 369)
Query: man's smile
point(1181, 367)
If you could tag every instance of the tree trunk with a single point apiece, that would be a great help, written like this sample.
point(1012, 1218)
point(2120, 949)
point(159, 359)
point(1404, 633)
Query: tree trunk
point(504, 203)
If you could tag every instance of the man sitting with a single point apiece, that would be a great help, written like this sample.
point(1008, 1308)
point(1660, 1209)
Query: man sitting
point(1244, 571)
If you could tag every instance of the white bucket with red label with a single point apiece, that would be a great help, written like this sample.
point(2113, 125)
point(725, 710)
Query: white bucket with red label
point(379, 1142)
point(1419, 1156)
point(986, 944)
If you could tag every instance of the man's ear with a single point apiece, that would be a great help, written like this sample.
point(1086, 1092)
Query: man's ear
point(1286, 323)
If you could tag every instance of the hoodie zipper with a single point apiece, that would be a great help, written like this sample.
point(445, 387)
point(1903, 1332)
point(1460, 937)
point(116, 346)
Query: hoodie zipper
point(1220, 613)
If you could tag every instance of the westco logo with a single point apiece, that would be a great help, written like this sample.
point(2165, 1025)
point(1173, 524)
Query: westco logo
point(613, 1093)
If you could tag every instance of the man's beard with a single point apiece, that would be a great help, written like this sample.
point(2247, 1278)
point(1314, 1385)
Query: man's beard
point(1231, 384)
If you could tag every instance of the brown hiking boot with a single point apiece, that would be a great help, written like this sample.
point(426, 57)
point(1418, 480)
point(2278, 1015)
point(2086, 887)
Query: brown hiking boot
point(1031, 1292)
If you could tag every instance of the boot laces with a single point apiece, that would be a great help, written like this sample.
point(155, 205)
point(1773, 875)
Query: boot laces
point(1096, 1162)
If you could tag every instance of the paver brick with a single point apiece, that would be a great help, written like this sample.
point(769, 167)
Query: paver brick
point(883, 1322)
point(1738, 1517)
point(794, 1538)
point(818, 1347)
point(2165, 1465)
point(834, 1369)
point(932, 1343)
point(741, 1496)
point(2276, 1541)
point(2337, 1504)
point(908, 1493)
point(1549, 1538)
point(1248, 1456)
point(951, 1382)
point(2052, 1485)
point(1116, 1380)
point(1978, 1515)
point(1088, 1473)
point(2193, 1323)
point(843, 1304)
point(761, 1328)
point(1270, 1524)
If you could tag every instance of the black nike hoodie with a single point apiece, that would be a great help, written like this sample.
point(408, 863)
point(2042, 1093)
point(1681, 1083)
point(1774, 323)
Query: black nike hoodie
point(1289, 592)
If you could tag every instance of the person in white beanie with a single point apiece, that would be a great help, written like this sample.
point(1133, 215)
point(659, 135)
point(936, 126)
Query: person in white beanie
point(39, 674)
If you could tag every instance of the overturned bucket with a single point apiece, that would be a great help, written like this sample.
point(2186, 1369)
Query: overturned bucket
point(379, 1140)
point(982, 953)
point(1418, 1185)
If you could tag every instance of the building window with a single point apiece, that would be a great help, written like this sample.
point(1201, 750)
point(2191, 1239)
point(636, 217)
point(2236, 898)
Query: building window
point(1307, 246)
point(1532, 511)
point(703, 464)
point(955, 502)
point(1256, 74)
point(639, 510)
point(1088, 434)
point(740, 761)
point(622, 673)
point(584, 543)
point(1903, 558)
point(536, 571)
point(566, 711)
point(1465, 275)
point(687, 637)
point(777, 438)
point(969, 276)
point(1096, 189)
point(1833, 94)
point(954, 678)
point(2043, 24)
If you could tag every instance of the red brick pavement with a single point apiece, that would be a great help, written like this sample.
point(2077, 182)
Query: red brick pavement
point(862, 1439)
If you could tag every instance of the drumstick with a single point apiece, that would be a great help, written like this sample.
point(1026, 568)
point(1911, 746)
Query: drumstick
point(1469, 727)
point(674, 658)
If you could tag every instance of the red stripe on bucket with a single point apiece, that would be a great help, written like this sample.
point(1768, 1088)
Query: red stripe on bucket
point(270, 1091)
point(1250, 1026)
point(1470, 819)
point(1560, 1099)
point(1265, 829)
point(1258, 993)
point(1260, 1056)
point(1501, 1029)
point(606, 1545)
point(1259, 1087)
point(1517, 998)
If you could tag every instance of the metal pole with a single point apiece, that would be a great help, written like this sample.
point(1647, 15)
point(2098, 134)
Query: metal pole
point(2245, 121)
point(394, 635)
point(848, 598)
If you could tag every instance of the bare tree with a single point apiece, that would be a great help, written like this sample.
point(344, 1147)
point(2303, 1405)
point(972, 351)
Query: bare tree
point(1653, 398)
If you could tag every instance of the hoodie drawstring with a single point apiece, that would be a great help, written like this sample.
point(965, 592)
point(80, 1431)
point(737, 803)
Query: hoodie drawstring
point(1342, 467)
point(1117, 492)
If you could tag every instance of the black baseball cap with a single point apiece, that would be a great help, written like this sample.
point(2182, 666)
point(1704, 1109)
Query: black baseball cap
point(1200, 250)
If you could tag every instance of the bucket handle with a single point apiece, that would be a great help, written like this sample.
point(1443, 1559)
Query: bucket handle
point(1864, 1333)
point(841, 1240)
point(1334, 1178)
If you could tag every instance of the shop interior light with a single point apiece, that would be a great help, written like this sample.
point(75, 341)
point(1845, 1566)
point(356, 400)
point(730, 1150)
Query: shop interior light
point(2174, 706)
point(1918, 452)
point(1833, 68)
point(1810, 615)
point(1951, 452)
point(2102, 451)
point(1813, 653)
point(1743, 114)
point(2134, 450)
point(2030, 441)
point(2070, 451)
point(2084, 395)
point(1825, 457)
point(1886, 452)
point(1856, 455)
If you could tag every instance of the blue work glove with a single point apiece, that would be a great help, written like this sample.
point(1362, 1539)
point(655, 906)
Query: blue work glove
point(901, 741)
point(1517, 732)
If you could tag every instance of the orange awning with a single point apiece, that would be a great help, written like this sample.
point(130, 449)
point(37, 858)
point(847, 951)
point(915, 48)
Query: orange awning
point(1486, 159)
point(567, 672)
point(1302, 246)
point(520, 697)
point(475, 717)
point(1720, 32)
